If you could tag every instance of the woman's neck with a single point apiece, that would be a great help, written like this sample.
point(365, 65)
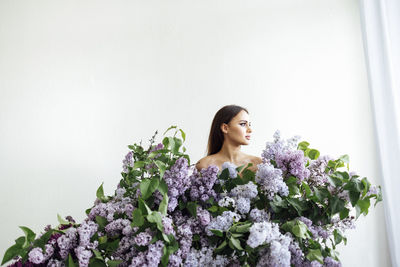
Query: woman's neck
point(230, 152)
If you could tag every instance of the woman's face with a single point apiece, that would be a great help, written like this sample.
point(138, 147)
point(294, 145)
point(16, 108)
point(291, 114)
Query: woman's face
point(238, 129)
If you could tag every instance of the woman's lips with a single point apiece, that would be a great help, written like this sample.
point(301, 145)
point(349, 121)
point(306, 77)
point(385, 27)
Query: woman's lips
point(248, 137)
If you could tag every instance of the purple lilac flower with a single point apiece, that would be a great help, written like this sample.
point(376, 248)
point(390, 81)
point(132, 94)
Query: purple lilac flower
point(232, 169)
point(109, 209)
point(143, 238)
point(297, 255)
point(83, 256)
point(373, 190)
point(67, 242)
point(329, 262)
point(167, 224)
point(127, 162)
point(203, 216)
point(271, 181)
point(178, 181)
point(154, 253)
point(317, 167)
point(54, 263)
point(117, 226)
point(202, 184)
point(293, 163)
point(36, 256)
point(86, 230)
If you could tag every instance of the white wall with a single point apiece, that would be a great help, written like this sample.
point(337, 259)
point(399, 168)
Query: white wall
point(80, 80)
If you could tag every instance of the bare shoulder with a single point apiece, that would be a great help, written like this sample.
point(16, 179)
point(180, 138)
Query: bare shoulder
point(255, 160)
point(204, 162)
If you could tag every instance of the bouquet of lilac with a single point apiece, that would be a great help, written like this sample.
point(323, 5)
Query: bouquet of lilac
point(292, 212)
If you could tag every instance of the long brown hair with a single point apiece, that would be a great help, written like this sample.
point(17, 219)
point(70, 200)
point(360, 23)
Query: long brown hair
point(216, 137)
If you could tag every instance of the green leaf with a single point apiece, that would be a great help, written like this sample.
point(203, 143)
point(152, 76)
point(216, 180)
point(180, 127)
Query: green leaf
point(148, 186)
point(137, 218)
point(336, 205)
point(61, 220)
point(335, 180)
point(220, 247)
point(155, 217)
point(338, 236)
point(306, 189)
point(217, 232)
point(143, 207)
point(70, 261)
point(101, 221)
point(293, 186)
point(12, 252)
point(171, 127)
point(97, 254)
point(344, 213)
point(183, 134)
point(213, 209)
point(298, 204)
point(192, 208)
point(363, 206)
point(164, 205)
point(300, 230)
point(29, 234)
point(235, 242)
point(42, 241)
point(100, 192)
point(138, 164)
point(161, 166)
point(303, 145)
point(114, 263)
point(243, 228)
point(163, 187)
point(315, 254)
point(313, 154)
point(354, 197)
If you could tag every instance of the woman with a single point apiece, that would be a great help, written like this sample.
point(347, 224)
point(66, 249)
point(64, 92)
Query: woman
point(230, 130)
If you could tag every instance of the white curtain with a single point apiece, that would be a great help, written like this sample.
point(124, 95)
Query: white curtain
point(380, 22)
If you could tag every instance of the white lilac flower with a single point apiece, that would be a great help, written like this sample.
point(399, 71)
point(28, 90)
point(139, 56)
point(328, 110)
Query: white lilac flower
point(232, 169)
point(222, 222)
point(227, 202)
point(204, 257)
point(258, 233)
point(271, 181)
point(248, 190)
point(243, 205)
point(257, 215)
point(278, 254)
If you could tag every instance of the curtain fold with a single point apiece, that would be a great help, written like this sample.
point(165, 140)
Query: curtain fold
point(380, 23)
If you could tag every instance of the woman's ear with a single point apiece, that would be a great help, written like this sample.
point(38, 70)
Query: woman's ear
point(224, 128)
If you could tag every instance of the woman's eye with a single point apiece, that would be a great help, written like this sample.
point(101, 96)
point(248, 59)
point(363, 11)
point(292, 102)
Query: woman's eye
point(243, 124)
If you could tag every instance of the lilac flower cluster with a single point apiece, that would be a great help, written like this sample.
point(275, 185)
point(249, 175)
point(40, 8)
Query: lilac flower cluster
point(109, 209)
point(143, 238)
point(257, 215)
point(317, 168)
point(36, 255)
point(271, 181)
point(222, 222)
point(317, 231)
point(127, 162)
point(263, 232)
point(204, 257)
point(151, 257)
point(202, 184)
point(278, 254)
point(178, 181)
point(293, 163)
point(232, 169)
